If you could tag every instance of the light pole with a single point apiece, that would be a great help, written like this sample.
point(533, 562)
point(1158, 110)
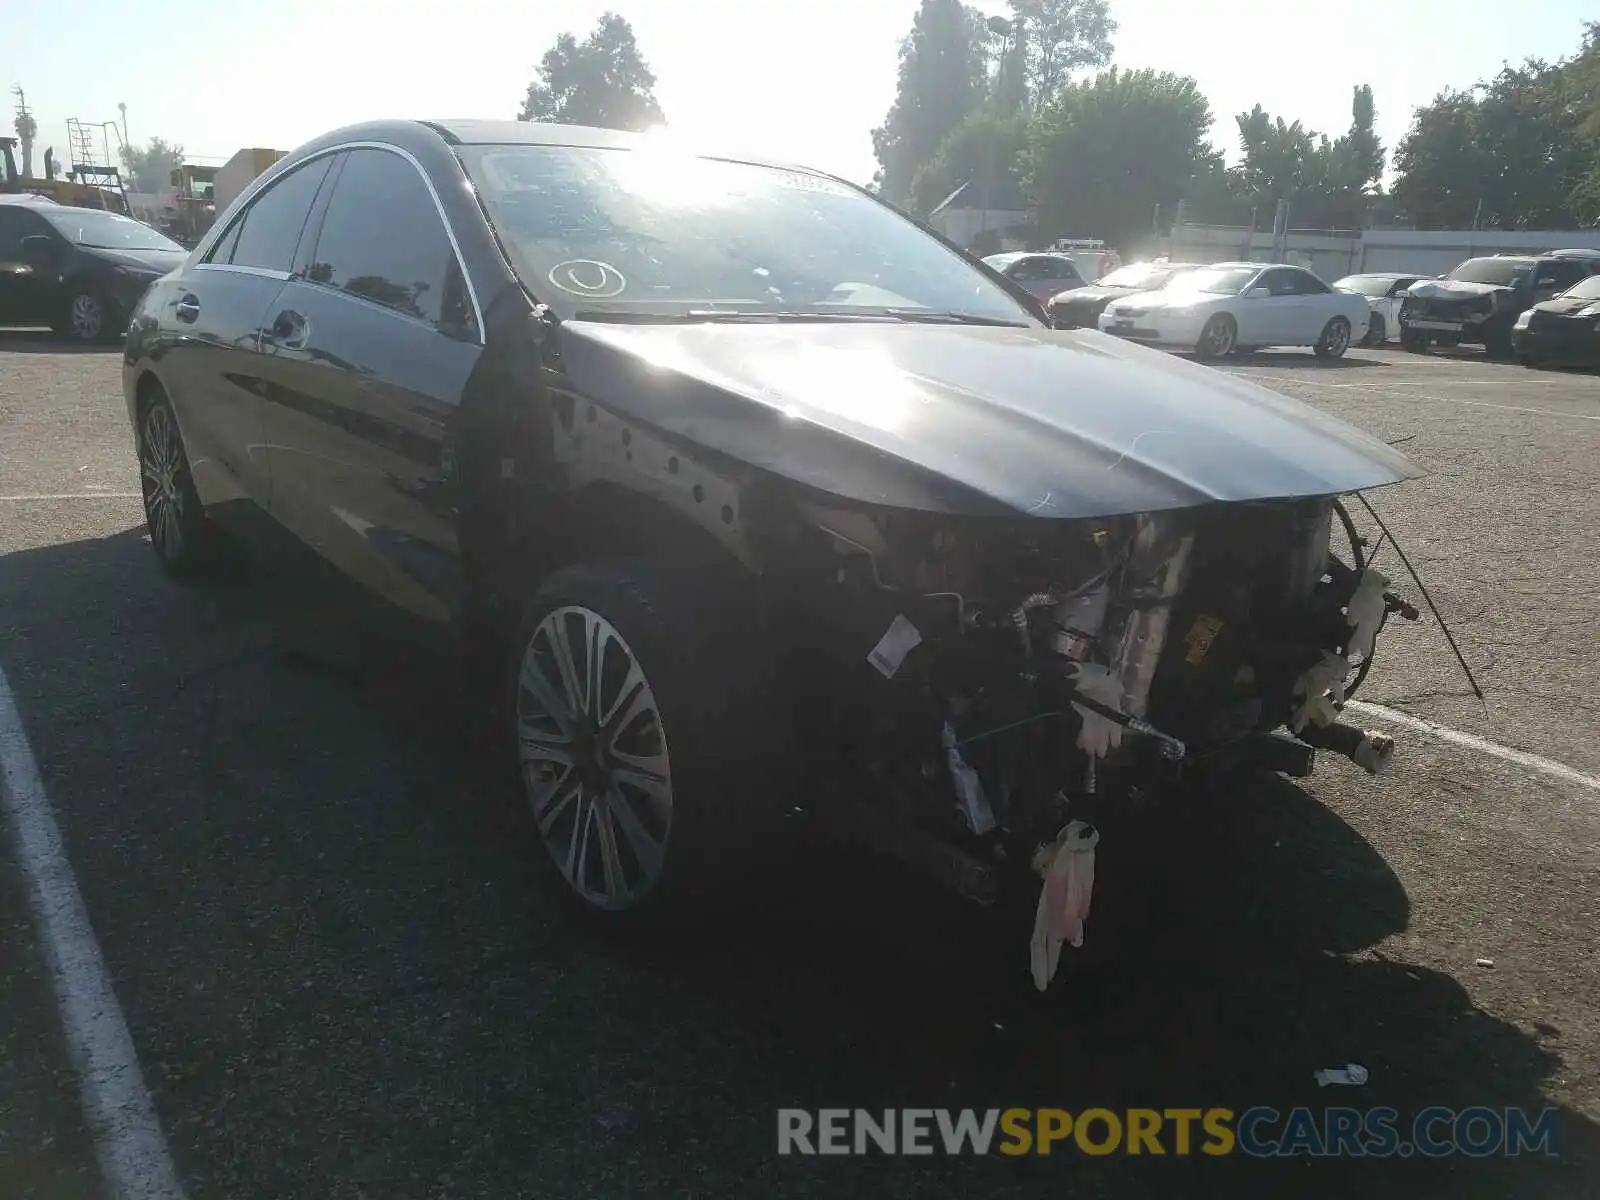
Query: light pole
point(1002, 28)
point(123, 109)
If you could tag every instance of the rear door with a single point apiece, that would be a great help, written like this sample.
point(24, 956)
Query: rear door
point(370, 347)
point(213, 372)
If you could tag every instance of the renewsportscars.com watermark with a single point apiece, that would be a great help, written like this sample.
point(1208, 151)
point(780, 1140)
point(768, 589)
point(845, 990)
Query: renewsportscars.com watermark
point(1261, 1132)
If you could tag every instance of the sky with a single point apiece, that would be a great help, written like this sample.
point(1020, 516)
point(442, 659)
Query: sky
point(803, 81)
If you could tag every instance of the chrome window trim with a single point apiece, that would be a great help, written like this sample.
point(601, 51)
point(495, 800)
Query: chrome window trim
point(240, 269)
point(259, 183)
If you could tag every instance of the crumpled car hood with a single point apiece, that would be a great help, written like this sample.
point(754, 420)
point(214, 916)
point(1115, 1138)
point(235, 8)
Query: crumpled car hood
point(969, 419)
point(1093, 294)
point(1452, 289)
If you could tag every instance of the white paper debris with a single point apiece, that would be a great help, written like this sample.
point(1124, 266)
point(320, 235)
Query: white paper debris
point(1351, 1075)
point(899, 640)
point(1063, 900)
point(1098, 735)
point(974, 805)
point(1484, 962)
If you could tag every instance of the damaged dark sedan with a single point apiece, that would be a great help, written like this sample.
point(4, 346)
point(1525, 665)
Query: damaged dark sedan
point(762, 503)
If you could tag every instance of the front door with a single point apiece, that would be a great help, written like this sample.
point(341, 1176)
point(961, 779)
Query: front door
point(369, 353)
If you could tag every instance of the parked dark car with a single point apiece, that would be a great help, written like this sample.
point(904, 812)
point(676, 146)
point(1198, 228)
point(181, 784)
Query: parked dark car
point(78, 270)
point(1478, 302)
point(742, 553)
point(1080, 308)
point(1563, 330)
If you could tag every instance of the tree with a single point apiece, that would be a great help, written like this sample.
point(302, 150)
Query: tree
point(942, 71)
point(1512, 150)
point(986, 147)
point(1279, 158)
point(1063, 36)
point(1110, 149)
point(27, 129)
point(602, 81)
point(150, 169)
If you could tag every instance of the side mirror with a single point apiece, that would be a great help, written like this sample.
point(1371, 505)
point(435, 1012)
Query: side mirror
point(1259, 293)
point(37, 250)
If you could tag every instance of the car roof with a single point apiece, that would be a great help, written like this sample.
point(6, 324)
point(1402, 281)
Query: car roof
point(1385, 275)
point(405, 132)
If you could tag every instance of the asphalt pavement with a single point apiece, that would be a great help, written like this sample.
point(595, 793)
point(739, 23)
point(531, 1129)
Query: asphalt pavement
point(329, 929)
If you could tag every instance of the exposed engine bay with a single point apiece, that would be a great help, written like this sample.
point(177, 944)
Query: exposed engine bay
point(1000, 685)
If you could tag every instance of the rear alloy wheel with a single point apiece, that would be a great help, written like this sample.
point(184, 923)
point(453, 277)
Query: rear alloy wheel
point(1377, 334)
point(641, 721)
point(1335, 339)
point(1218, 338)
point(179, 532)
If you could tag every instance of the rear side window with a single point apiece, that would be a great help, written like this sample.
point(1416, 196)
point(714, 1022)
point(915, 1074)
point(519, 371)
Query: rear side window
point(268, 231)
point(384, 241)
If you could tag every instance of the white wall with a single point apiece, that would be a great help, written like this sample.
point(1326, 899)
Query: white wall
point(1431, 252)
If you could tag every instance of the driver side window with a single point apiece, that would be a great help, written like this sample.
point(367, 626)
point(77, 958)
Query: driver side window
point(1279, 282)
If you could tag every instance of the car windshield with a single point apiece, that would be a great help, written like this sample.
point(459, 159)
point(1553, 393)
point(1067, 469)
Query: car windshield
point(1366, 285)
point(1584, 289)
point(1502, 272)
point(106, 231)
point(1138, 275)
point(655, 232)
point(1222, 281)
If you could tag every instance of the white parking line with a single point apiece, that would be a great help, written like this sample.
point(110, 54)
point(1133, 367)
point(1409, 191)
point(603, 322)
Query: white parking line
point(1535, 762)
point(1377, 391)
point(24, 497)
point(128, 1141)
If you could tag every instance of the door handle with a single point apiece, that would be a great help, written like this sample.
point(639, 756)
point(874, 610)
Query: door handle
point(289, 330)
point(188, 309)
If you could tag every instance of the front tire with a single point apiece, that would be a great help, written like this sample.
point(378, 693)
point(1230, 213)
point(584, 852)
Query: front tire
point(88, 317)
point(1413, 342)
point(1218, 338)
point(1377, 333)
point(179, 531)
point(1335, 339)
point(647, 735)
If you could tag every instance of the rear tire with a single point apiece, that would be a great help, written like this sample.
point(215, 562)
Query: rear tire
point(653, 763)
point(1377, 333)
point(1335, 339)
point(183, 539)
point(1497, 345)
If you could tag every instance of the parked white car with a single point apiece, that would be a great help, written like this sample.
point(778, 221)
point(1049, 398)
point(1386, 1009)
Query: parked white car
point(1234, 306)
point(1385, 292)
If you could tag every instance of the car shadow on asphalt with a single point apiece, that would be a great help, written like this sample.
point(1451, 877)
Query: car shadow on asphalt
point(42, 341)
point(1229, 954)
point(1303, 360)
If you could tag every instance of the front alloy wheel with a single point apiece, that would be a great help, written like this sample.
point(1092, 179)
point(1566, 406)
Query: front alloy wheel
point(1218, 338)
point(1335, 339)
point(86, 317)
point(594, 757)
